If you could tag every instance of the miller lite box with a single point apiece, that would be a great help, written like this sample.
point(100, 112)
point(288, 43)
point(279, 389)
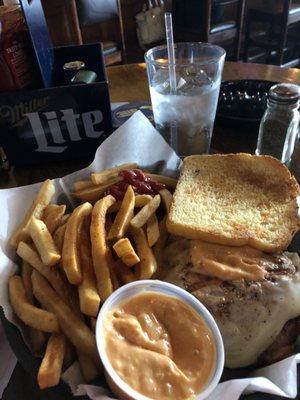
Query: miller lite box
point(61, 122)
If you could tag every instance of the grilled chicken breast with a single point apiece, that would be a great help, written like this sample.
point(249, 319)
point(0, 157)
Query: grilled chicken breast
point(255, 317)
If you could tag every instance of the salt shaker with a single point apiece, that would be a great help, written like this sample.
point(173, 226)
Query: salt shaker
point(280, 122)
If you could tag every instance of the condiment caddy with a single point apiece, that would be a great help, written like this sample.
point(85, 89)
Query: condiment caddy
point(63, 119)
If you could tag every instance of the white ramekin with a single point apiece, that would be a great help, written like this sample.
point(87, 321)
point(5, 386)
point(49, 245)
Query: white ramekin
point(118, 386)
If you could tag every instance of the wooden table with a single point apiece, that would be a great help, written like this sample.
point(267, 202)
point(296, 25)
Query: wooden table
point(127, 83)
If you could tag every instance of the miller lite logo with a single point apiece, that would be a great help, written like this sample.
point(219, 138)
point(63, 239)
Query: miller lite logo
point(54, 124)
point(90, 122)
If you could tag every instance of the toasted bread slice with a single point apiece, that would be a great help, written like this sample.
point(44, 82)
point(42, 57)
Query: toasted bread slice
point(236, 199)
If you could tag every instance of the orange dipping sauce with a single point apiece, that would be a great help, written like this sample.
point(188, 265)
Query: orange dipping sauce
point(160, 346)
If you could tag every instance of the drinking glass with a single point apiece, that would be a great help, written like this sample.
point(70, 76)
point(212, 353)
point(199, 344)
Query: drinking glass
point(185, 118)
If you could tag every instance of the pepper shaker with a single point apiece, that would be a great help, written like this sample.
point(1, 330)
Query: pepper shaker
point(280, 122)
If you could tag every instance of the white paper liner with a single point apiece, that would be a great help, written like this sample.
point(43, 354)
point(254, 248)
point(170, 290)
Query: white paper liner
point(135, 141)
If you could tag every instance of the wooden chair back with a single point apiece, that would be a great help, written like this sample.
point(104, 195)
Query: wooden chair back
point(234, 32)
point(207, 32)
point(276, 21)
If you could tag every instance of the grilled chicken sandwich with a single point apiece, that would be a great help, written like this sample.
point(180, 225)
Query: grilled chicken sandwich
point(232, 218)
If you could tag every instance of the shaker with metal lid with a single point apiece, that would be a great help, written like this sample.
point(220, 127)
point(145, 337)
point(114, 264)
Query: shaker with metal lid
point(71, 68)
point(75, 72)
point(280, 122)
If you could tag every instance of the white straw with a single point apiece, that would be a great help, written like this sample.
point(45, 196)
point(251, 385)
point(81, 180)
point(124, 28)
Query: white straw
point(171, 53)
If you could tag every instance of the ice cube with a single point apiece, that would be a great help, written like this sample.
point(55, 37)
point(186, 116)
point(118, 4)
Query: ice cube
point(193, 72)
point(161, 82)
point(203, 77)
point(194, 82)
point(164, 87)
point(181, 83)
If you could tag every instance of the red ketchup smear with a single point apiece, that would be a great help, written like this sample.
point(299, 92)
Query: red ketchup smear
point(140, 183)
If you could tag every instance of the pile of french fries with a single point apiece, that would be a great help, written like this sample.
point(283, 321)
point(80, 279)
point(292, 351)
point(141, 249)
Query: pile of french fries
point(71, 263)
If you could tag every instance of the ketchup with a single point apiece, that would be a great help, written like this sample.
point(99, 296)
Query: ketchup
point(140, 183)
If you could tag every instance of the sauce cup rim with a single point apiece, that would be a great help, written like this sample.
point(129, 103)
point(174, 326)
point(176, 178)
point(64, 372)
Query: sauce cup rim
point(143, 286)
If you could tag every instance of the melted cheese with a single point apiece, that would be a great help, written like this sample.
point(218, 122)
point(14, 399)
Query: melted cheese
point(252, 327)
point(226, 262)
point(249, 325)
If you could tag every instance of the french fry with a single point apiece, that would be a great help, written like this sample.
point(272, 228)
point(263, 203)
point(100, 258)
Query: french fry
point(140, 201)
point(43, 242)
point(102, 259)
point(94, 193)
point(147, 266)
point(113, 273)
point(32, 316)
point(145, 213)
point(152, 230)
point(101, 177)
point(53, 208)
point(88, 295)
point(43, 198)
point(53, 275)
point(71, 325)
point(70, 254)
point(125, 274)
point(78, 243)
point(115, 207)
point(51, 365)
point(126, 252)
point(114, 279)
point(59, 236)
point(52, 216)
point(166, 180)
point(26, 272)
point(124, 216)
point(37, 338)
point(167, 199)
point(159, 247)
point(64, 219)
point(88, 368)
point(79, 185)
point(71, 297)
